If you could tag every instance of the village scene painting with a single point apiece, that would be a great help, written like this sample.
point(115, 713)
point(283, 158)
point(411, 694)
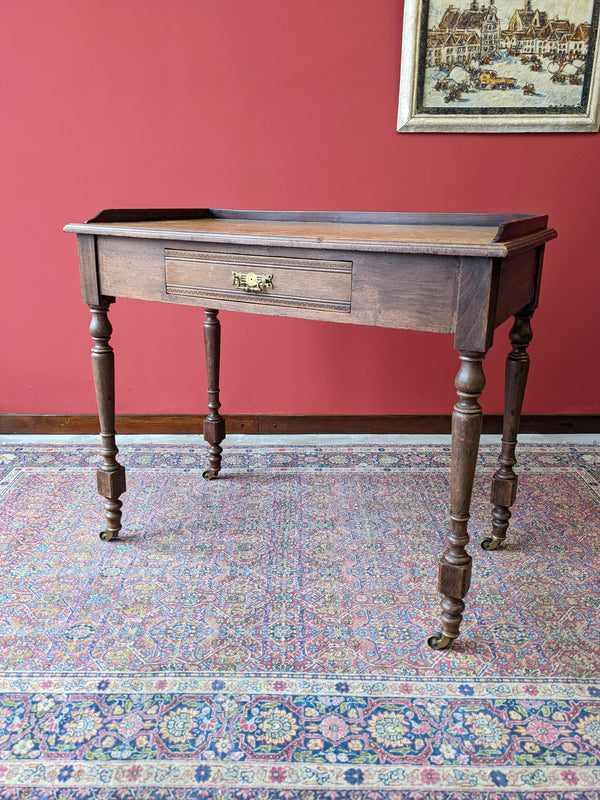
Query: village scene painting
point(493, 55)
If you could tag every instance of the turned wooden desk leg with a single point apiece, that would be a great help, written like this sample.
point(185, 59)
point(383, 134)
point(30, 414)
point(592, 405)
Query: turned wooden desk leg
point(214, 424)
point(504, 482)
point(110, 475)
point(455, 564)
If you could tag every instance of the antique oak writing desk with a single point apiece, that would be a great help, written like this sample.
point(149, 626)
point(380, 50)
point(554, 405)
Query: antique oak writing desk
point(459, 274)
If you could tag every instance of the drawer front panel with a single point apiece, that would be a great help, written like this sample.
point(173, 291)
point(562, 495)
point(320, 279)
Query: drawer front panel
point(296, 282)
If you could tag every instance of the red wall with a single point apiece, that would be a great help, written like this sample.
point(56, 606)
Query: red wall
point(277, 105)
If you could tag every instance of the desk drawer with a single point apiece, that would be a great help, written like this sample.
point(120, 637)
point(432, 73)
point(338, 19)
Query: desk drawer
point(297, 282)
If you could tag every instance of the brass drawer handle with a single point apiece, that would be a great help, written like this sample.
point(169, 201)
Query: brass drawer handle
point(252, 282)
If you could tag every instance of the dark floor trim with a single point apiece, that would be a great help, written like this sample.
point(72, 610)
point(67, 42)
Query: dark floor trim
point(253, 424)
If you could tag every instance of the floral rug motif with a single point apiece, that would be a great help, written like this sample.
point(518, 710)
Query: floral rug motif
point(263, 635)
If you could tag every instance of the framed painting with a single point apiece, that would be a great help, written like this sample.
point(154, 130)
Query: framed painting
point(500, 66)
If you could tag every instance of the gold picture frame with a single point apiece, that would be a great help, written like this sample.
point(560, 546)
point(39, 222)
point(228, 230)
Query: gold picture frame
point(495, 67)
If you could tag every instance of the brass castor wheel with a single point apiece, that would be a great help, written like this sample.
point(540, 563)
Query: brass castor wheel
point(439, 642)
point(108, 536)
point(210, 474)
point(491, 543)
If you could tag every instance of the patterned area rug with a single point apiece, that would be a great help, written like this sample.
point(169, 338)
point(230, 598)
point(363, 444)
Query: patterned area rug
point(263, 635)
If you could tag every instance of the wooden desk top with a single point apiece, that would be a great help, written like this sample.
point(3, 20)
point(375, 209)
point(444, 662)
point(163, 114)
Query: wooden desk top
point(484, 235)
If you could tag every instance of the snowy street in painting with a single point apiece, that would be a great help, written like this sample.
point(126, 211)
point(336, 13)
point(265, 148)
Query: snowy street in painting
point(546, 93)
